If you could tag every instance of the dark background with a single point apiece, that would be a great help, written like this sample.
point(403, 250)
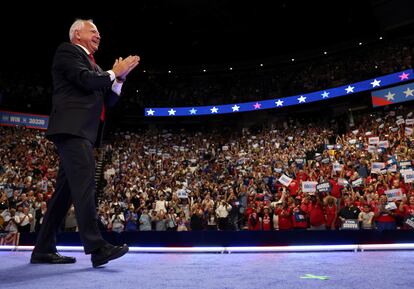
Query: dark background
point(170, 34)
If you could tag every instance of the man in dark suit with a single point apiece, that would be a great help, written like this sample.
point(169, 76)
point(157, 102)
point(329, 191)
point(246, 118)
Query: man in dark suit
point(81, 91)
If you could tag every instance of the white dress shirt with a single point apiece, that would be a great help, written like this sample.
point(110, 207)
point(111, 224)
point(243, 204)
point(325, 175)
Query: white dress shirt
point(116, 86)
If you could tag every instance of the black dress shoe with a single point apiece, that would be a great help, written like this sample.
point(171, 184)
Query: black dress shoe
point(50, 258)
point(107, 253)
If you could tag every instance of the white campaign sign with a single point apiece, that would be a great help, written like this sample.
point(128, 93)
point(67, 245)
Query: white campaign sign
point(383, 144)
point(309, 187)
point(285, 180)
point(395, 194)
point(409, 178)
point(373, 140)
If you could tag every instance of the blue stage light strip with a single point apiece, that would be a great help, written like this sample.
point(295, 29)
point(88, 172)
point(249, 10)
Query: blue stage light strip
point(370, 84)
point(252, 249)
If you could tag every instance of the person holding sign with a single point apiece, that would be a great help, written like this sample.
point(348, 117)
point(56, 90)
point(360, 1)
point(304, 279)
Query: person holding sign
point(366, 217)
point(349, 211)
point(330, 212)
point(385, 217)
point(316, 214)
point(407, 211)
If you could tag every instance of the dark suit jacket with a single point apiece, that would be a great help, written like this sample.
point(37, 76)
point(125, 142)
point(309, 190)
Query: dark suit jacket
point(79, 90)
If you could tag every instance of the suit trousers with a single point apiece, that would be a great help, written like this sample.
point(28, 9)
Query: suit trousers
point(75, 183)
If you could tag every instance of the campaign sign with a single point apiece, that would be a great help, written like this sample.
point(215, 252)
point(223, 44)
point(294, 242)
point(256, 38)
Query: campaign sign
point(309, 187)
point(337, 167)
point(357, 182)
point(182, 194)
point(324, 187)
point(383, 144)
point(404, 164)
point(350, 224)
point(371, 149)
point(400, 121)
point(8, 118)
point(376, 167)
point(373, 140)
point(325, 161)
point(409, 178)
point(410, 221)
point(342, 182)
point(394, 194)
point(299, 161)
point(391, 206)
point(392, 169)
point(285, 180)
point(406, 171)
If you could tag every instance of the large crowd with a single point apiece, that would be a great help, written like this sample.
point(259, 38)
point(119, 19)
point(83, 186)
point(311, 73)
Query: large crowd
point(294, 174)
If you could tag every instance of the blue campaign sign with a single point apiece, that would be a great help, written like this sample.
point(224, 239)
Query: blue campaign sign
point(8, 118)
point(328, 93)
point(324, 187)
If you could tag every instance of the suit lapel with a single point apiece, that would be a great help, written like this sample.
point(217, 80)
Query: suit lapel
point(92, 66)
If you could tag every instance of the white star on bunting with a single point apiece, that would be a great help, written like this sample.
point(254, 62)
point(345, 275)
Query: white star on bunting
point(325, 94)
point(279, 102)
point(375, 83)
point(171, 112)
point(349, 89)
point(235, 107)
point(302, 99)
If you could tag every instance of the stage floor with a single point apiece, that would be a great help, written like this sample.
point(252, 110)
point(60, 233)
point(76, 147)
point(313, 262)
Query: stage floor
point(373, 269)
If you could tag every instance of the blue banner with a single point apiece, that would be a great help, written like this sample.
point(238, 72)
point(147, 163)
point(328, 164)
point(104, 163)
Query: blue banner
point(8, 118)
point(396, 94)
point(276, 103)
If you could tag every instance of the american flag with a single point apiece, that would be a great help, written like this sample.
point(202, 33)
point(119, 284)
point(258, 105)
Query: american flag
point(396, 94)
point(11, 238)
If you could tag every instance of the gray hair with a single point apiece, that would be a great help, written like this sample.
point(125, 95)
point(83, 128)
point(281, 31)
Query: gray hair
point(77, 25)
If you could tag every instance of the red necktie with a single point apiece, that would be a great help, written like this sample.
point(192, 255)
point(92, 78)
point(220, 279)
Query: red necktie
point(92, 59)
point(103, 105)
